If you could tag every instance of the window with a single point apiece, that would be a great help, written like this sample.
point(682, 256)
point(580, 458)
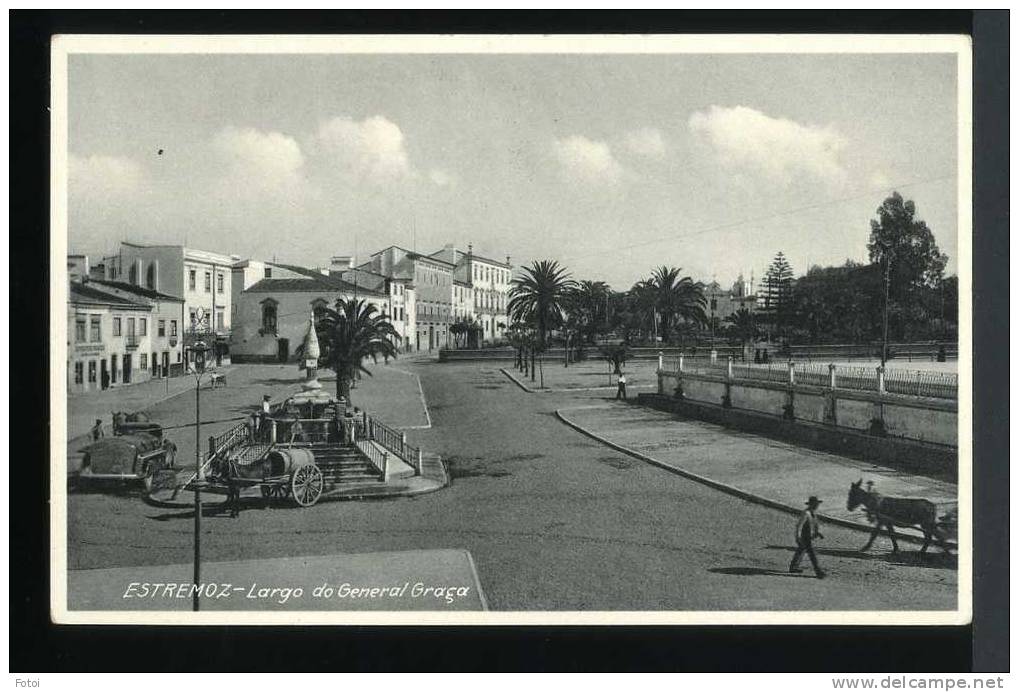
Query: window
point(268, 272)
point(143, 361)
point(219, 283)
point(132, 274)
point(79, 372)
point(130, 326)
point(143, 327)
point(92, 372)
point(269, 316)
point(219, 319)
point(178, 356)
point(116, 326)
point(173, 332)
point(113, 368)
point(150, 276)
point(79, 329)
point(95, 329)
point(161, 327)
point(208, 282)
point(191, 279)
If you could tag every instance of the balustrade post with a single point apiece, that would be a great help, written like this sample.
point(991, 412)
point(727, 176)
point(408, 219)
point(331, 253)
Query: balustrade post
point(680, 362)
point(385, 467)
point(661, 357)
point(880, 379)
point(728, 369)
point(831, 375)
point(420, 462)
point(272, 432)
point(792, 372)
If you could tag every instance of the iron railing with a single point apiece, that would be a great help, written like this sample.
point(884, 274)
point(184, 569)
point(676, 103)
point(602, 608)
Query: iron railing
point(395, 442)
point(379, 458)
point(938, 385)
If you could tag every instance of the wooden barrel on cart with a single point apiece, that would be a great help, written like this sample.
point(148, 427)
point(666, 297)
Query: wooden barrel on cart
point(296, 468)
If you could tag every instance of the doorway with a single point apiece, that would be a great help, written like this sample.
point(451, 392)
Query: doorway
point(431, 338)
point(127, 368)
point(113, 369)
point(166, 363)
point(283, 350)
point(155, 365)
point(104, 374)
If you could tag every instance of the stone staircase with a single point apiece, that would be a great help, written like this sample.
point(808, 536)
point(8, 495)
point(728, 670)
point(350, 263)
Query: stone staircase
point(344, 463)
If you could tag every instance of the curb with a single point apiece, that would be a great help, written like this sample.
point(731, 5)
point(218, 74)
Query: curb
point(733, 490)
point(563, 390)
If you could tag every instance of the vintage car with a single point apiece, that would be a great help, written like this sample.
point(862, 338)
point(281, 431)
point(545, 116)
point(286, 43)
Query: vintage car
point(131, 457)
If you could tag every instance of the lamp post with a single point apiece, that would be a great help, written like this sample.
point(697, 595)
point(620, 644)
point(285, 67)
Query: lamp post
point(887, 252)
point(199, 351)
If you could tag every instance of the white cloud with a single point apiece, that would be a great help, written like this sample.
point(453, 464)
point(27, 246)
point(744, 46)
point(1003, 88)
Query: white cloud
point(589, 160)
point(372, 149)
point(879, 179)
point(99, 175)
point(647, 141)
point(264, 160)
point(777, 147)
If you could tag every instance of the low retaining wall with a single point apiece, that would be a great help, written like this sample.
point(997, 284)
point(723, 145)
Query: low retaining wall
point(938, 461)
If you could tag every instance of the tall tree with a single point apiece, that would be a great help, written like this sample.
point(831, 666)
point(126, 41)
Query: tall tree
point(906, 250)
point(743, 325)
point(776, 293)
point(841, 304)
point(588, 305)
point(349, 335)
point(540, 294)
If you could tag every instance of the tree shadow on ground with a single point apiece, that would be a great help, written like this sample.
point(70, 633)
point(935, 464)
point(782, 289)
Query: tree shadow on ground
point(759, 572)
point(911, 558)
point(278, 381)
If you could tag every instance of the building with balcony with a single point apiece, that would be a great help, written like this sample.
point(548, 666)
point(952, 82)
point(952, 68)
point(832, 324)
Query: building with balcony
point(489, 282)
point(109, 338)
point(201, 278)
point(165, 338)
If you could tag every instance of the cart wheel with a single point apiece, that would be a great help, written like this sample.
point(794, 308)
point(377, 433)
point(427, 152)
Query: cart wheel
point(267, 491)
point(306, 485)
point(280, 490)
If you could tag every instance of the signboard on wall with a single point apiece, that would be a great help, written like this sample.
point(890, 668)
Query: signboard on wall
point(90, 349)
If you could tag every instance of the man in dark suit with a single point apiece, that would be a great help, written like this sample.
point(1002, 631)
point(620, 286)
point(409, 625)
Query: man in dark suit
point(806, 532)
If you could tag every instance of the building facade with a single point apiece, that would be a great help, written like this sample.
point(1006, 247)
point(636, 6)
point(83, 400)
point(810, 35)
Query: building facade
point(166, 345)
point(201, 278)
point(721, 302)
point(431, 280)
point(108, 339)
point(271, 315)
point(490, 282)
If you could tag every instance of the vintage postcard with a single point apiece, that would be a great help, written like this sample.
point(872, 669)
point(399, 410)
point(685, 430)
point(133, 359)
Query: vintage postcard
point(667, 329)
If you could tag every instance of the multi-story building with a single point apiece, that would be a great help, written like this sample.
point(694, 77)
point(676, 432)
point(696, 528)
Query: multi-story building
point(271, 314)
point(431, 279)
point(399, 288)
point(108, 338)
point(165, 342)
point(201, 278)
point(490, 282)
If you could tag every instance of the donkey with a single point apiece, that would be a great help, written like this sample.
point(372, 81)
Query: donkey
point(896, 511)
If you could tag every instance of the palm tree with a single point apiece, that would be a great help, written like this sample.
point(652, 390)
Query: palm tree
point(348, 335)
point(540, 295)
point(588, 304)
point(675, 297)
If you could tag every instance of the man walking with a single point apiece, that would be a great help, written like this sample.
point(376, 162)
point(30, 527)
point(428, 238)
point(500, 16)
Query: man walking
point(621, 387)
point(806, 532)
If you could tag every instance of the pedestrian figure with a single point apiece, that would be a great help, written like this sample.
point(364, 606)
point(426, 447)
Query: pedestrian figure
point(97, 431)
point(621, 388)
point(806, 532)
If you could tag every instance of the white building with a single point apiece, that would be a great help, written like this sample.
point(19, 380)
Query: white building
point(271, 314)
point(165, 342)
point(490, 282)
point(201, 278)
point(108, 339)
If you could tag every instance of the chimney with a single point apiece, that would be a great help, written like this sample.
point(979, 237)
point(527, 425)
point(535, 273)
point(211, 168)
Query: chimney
point(340, 263)
point(470, 249)
point(508, 260)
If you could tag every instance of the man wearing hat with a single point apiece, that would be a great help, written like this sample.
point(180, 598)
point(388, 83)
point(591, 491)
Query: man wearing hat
point(806, 532)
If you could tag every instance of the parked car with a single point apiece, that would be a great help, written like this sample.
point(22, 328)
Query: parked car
point(130, 457)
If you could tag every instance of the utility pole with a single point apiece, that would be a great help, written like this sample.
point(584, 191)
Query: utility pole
point(888, 280)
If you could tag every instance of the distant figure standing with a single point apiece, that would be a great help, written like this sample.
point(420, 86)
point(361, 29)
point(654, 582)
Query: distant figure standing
point(621, 387)
point(806, 532)
point(97, 431)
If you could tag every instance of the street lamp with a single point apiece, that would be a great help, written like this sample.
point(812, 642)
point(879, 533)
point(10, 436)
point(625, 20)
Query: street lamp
point(886, 252)
point(198, 356)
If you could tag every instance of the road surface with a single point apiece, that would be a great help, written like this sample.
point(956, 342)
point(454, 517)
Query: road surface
point(553, 520)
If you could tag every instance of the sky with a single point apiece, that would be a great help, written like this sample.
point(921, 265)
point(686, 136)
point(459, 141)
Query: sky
point(611, 165)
